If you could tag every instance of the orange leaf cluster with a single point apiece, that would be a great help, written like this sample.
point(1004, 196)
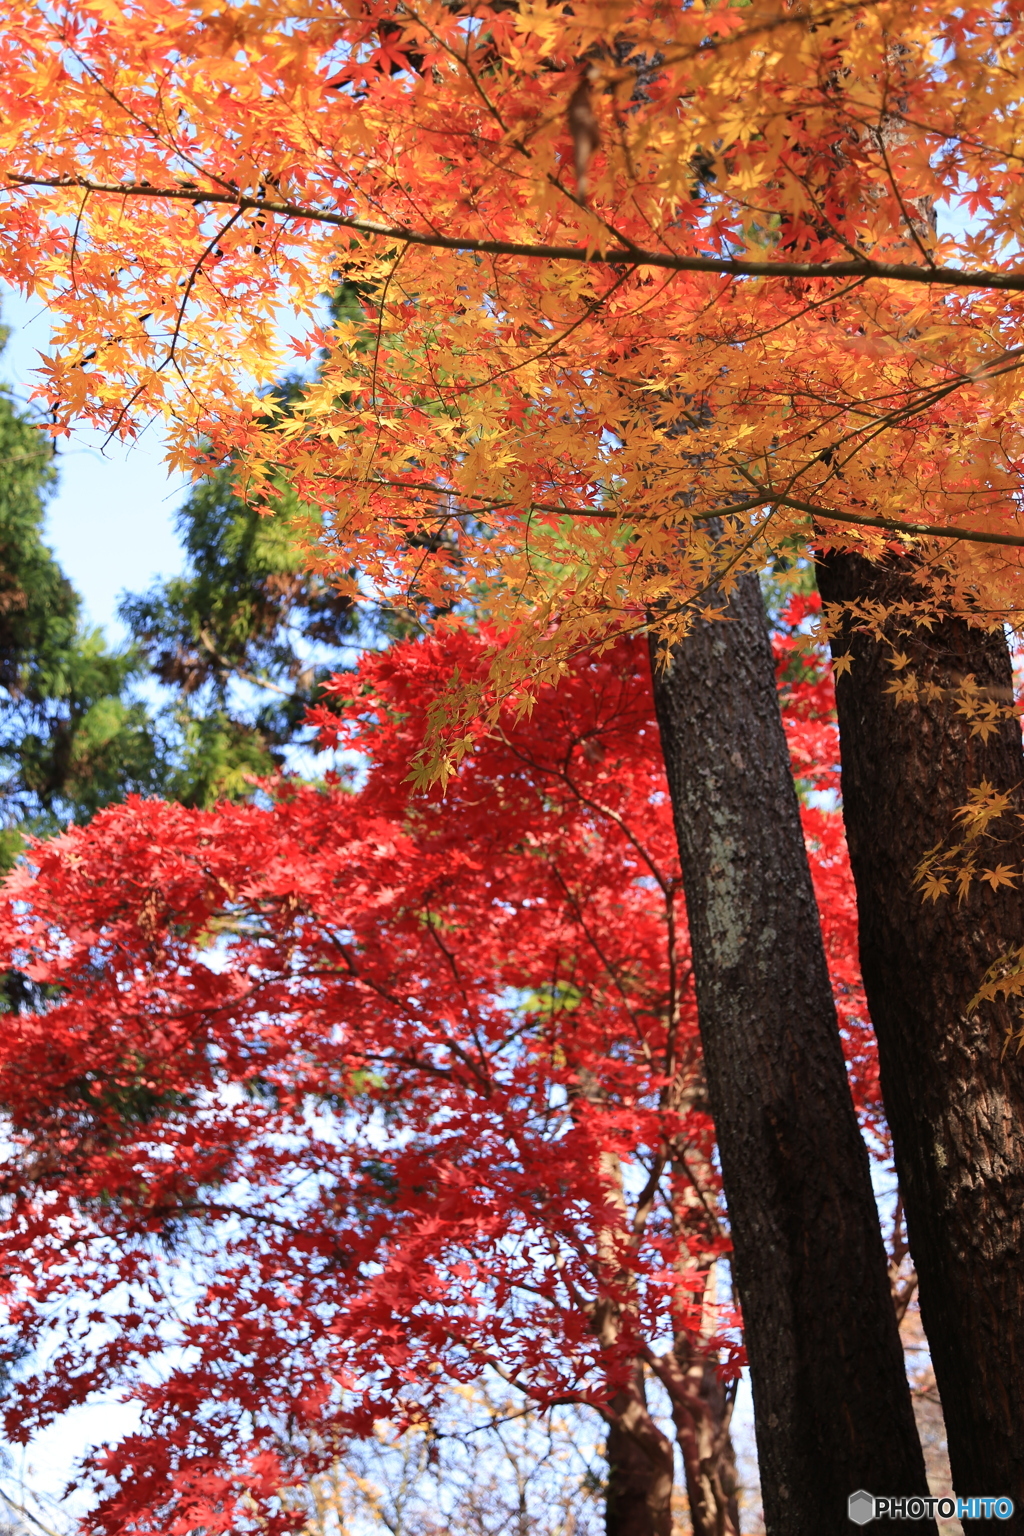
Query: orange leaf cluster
point(623, 268)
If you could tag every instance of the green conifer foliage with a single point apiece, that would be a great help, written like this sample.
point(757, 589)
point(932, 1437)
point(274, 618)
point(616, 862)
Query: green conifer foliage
point(243, 639)
point(72, 737)
point(237, 646)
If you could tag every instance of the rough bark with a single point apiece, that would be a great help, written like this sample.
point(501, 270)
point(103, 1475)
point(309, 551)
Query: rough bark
point(832, 1406)
point(954, 1095)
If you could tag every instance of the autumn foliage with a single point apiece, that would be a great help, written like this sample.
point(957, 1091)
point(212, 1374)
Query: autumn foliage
point(621, 267)
point(322, 1105)
point(604, 307)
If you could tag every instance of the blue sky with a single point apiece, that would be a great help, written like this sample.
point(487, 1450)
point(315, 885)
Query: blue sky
point(111, 522)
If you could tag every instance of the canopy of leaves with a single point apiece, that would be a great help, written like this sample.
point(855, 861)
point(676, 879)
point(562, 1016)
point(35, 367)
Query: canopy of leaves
point(246, 624)
point(345, 1099)
point(625, 268)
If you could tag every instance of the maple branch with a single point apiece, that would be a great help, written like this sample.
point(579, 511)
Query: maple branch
point(368, 981)
point(615, 972)
point(576, 1296)
point(902, 1288)
point(482, 1073)
point(675, 1382)
point(645, 1199)
point(770, 496)
point(702, 1194)
point(663, 881)
point(919, 530)
point(632, 255)
point(766, 497)
point(460, 1435)
point(674, 995)
point(194, 274)
point(403, 1058)
point(1010, 362)
point(532, 1393)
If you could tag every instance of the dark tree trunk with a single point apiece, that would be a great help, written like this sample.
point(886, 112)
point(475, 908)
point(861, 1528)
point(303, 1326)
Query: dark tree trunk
point(638, 1497)
point(954, 1094)
point(832, 1405)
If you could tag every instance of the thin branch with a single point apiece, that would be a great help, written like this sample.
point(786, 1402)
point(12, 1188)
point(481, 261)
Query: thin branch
point(630, 255)
point(918, 530)
point(767, 496)
point(21, 1510)
point(193, 275)
point(645, 1200)
point(773, 497)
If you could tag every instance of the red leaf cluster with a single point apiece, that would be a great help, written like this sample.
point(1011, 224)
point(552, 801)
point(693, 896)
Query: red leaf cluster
point(319, 1106)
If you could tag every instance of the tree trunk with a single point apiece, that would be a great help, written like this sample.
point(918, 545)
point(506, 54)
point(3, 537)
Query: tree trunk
point(954, 1093)
point(709, 1457)
point(638, 1497)
point(832, 1406)
point(701, 1402)
point(702, 1412)
point(641, 1466)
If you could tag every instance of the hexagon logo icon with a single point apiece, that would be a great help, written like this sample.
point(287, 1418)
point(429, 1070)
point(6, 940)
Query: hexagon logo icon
point(861, 1507)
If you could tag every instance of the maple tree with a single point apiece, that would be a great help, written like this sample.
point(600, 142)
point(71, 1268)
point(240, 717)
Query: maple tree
point(723, 235)
point(336, 1101)
point(689, 275)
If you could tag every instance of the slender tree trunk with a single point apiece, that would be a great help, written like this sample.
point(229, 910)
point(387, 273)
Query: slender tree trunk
point(702, 1412)
point(954, 1093)
point(832, 1405)
point(641, 1464)
point(709, 1458)
point(702, 1403)
point(638, 1497)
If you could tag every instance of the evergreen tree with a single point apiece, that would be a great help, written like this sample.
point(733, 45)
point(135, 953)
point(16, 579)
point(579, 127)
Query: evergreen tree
point(72, 736)
point(243, 640)
point(240, 642)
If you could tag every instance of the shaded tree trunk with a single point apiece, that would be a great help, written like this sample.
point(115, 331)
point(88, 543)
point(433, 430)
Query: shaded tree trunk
point(638, 1496)
point(832, 1406)
point(641, 1465)
point(702, 1412)
point(709, 1457)
point(702, 1403)
point(954, 1093)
